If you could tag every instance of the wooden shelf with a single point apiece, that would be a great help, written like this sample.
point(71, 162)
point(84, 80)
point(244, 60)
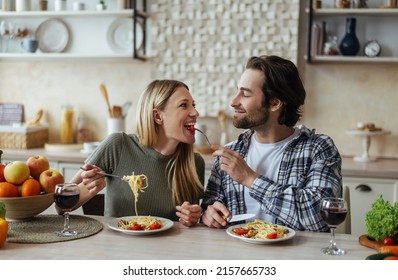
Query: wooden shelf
point(368, 15)
point(41, 14)
point(356, 59)
point(344, 12)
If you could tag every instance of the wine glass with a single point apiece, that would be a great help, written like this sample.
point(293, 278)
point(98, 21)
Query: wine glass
point(66, 197)
point(333, 212)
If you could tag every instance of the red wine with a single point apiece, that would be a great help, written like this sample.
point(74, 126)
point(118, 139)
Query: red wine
point(66, 202)
point(333, 216)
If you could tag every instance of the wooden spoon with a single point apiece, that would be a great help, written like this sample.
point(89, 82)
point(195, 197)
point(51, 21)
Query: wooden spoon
point(117, 112)
point(105, 95)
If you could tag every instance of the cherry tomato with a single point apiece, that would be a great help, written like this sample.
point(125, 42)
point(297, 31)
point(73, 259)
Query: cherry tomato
point(155, 226)
point(240, 231)
point(136, 227)
point(272, 235)
point(388, 241)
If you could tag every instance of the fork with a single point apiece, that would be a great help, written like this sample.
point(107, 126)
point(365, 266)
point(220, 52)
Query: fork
point(207, 139)
point(103, 173)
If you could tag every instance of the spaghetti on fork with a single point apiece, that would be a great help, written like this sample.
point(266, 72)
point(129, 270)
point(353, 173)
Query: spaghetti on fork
point(137, 184)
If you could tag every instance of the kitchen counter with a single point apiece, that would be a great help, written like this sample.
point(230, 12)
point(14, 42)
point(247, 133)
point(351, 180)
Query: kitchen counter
point(383, 168)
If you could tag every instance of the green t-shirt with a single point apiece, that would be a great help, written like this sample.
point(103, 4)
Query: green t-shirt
point(122, 154)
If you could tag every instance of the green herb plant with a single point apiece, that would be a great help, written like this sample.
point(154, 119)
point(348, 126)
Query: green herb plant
point(382, 220)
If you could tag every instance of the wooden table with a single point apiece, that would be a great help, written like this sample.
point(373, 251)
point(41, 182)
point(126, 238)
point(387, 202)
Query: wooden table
point(181, 243)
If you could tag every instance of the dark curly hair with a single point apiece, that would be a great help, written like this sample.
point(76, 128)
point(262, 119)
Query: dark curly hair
point(283, 82)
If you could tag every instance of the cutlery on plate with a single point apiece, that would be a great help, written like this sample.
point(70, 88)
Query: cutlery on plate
point(103, 173)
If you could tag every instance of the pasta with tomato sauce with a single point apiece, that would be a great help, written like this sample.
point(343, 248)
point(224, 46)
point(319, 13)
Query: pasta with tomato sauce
point(259, 229)
point(140, 223)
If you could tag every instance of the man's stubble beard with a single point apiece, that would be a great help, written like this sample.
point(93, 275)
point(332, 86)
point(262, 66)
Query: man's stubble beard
point(250, 121)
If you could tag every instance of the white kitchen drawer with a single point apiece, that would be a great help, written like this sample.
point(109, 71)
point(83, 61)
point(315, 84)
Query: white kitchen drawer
point(363, 192)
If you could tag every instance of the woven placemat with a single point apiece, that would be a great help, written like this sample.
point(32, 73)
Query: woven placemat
point(42, 228)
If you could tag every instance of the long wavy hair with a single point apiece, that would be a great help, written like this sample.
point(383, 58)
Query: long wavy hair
point(181, 169)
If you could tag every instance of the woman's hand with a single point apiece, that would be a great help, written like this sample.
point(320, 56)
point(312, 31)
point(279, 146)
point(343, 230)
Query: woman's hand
point(93, 181)
point(189, 214)
point(216, 215)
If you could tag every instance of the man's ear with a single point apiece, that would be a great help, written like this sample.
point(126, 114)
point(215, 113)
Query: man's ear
point(276, 104)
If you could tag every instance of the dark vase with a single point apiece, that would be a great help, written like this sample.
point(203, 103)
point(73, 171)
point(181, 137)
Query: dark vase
point(350, 44)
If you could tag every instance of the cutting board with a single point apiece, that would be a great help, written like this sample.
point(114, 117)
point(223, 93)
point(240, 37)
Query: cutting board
point(364, 241)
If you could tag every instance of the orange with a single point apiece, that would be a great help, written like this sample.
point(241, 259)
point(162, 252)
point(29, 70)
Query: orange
point(3, 231)
point(8, 190)
point(30, 187)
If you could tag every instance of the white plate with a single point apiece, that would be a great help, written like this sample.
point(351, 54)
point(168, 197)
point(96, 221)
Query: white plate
point(167, 224)
point(53, 36)
point(290, 235)
point(120, 35)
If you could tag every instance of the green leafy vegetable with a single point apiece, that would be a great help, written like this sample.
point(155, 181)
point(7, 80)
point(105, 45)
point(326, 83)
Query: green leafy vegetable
point(382, 219)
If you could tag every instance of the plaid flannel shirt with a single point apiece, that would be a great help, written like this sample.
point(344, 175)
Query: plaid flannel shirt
point(310, 170)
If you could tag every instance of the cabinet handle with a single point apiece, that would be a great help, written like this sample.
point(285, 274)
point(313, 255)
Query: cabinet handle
point(363, 188)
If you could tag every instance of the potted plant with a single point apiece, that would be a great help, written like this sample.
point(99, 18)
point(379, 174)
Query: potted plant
point(101, 5)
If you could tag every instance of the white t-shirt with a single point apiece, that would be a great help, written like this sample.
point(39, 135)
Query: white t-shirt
point(265, 159)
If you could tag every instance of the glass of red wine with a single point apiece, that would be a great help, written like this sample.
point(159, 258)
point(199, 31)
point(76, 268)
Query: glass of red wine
point(66, 197)
point(333, 212)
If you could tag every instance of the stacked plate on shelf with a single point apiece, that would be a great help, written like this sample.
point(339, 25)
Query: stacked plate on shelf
point(120, 35)
point(53, 36)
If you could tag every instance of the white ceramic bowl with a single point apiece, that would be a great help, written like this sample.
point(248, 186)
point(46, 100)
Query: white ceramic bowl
point(20, 208)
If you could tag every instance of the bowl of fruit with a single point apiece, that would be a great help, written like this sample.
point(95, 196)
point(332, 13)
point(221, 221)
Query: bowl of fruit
point(21, 208)
point(27, 187)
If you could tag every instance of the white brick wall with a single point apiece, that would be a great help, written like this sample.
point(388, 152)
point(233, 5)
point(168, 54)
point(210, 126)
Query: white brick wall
point(206, 43)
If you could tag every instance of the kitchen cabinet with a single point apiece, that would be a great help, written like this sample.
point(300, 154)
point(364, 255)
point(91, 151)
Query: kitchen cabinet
point(373, 23)
point(362, 193)
point(87, 34)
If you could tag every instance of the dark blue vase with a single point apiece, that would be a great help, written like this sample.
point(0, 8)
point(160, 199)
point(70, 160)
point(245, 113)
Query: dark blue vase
point(350, 44)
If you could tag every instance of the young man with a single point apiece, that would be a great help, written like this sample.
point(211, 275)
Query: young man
point(275, 169)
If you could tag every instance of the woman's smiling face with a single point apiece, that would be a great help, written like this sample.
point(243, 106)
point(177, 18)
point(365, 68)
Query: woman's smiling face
point(178, 114)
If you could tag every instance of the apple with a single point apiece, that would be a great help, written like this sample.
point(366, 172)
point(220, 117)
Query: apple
point(2, 166)
point(37, 164)
point(49, 178)
point(16, 172)
point(2, 178)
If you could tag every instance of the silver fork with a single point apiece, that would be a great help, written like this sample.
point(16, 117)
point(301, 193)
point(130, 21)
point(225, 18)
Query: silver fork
point(103, 173)
point(207, 139)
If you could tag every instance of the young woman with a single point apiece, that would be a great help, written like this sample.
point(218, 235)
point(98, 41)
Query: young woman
point(162, 150)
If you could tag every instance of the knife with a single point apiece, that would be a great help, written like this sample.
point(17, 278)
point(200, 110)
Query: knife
point(241, 217)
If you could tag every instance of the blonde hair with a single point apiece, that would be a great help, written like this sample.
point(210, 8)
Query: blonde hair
point(181, 170)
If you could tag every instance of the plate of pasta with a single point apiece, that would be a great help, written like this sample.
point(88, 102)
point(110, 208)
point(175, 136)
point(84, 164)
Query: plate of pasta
point(260, 232)
point(140, 225)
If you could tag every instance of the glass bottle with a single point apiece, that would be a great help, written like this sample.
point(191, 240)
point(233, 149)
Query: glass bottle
point(350, 44)
point(83, 129)
point(67, 125)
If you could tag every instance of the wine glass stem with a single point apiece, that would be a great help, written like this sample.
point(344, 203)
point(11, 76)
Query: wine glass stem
point(332, 240)
point(66, 221)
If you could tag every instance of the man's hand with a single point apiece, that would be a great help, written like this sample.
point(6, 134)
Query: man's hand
point(235, 165)
point(216, 215)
